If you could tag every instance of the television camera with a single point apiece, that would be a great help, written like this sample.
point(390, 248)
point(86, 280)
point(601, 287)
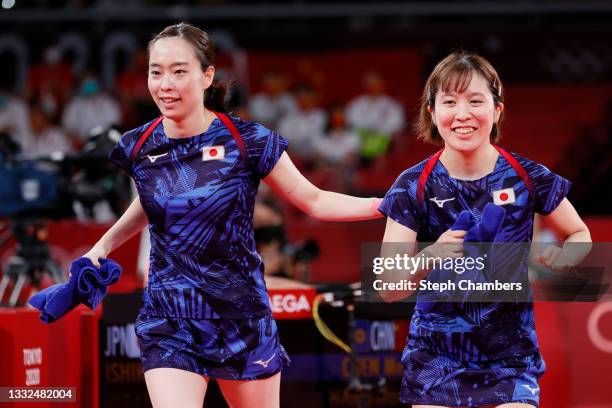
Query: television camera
point(36, 190)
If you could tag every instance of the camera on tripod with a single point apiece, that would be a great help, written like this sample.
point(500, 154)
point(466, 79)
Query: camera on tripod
point(34, 191)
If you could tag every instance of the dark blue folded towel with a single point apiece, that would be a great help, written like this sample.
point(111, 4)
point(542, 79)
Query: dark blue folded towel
point(485, 230)
point(476, 244)
point(464, 221)
point(488, 227)
point(93, 282)
point(87, 284)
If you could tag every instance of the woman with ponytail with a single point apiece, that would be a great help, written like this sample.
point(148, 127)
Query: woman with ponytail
point(205, 312)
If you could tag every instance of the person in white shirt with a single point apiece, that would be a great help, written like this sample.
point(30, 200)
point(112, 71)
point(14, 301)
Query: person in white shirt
point(89, 109)
point(43, 137)
point(273, 101)
point(338, 151)
point(14, 116)
point(376, 116)
point(340, 146)
point(303, 127)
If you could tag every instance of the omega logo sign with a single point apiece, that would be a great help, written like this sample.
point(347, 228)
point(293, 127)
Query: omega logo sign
point(289, 303)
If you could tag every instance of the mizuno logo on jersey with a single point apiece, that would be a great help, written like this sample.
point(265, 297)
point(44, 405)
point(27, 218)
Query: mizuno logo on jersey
point(152, 158)
point(533, 390)
point(440, 202)
point(265, 363)
point(503, 197)
point(213, 153)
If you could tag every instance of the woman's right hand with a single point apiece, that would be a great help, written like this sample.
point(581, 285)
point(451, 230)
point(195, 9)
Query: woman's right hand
point(448, 245)
point(94, 254)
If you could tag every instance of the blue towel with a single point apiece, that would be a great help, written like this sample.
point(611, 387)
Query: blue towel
point(477, 241)
point(87, 284)
point(488, 227)
point(483, 231)
point(93, 283)
point(464, 221)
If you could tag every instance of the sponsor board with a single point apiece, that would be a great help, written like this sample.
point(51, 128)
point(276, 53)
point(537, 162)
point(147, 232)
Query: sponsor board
point(292, 303)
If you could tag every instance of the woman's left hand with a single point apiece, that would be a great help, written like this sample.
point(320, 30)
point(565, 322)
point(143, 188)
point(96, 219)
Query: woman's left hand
point(554, 258)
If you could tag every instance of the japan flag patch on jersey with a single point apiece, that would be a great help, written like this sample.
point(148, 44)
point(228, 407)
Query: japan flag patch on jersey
point(503, 197)
point(213, 153)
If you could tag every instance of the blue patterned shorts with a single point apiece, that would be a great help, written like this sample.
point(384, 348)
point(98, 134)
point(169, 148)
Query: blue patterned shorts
point(229, 349)
point(440, 380)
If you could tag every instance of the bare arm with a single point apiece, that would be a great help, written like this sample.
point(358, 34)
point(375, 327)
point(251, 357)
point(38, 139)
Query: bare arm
point(131, 222)
point(405, 242)
point(287, 181)
point(568, 223)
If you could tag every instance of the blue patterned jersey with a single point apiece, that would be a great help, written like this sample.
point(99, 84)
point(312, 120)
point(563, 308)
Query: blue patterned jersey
point(199, 193)
point(474, 331)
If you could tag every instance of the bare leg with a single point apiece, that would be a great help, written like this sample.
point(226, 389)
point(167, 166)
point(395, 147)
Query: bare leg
point(263, 393)
point(171, 387)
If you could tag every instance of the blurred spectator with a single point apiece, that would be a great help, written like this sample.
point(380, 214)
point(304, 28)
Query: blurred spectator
point(338, 150)
point(90, 108)
point(51, 82)
point(340, 146)
point(43, 137)
point(273, 101)
point(14, 116)
point(137, 106)
point(376, 116)
point(302, 127)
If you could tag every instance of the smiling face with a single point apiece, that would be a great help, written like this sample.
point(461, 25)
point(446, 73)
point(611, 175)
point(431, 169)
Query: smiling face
point(464, 119)
point(176, 79)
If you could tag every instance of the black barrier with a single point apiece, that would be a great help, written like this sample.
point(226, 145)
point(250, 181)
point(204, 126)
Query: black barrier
point(121, 379)
point(320, 374)
point(122, 382)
